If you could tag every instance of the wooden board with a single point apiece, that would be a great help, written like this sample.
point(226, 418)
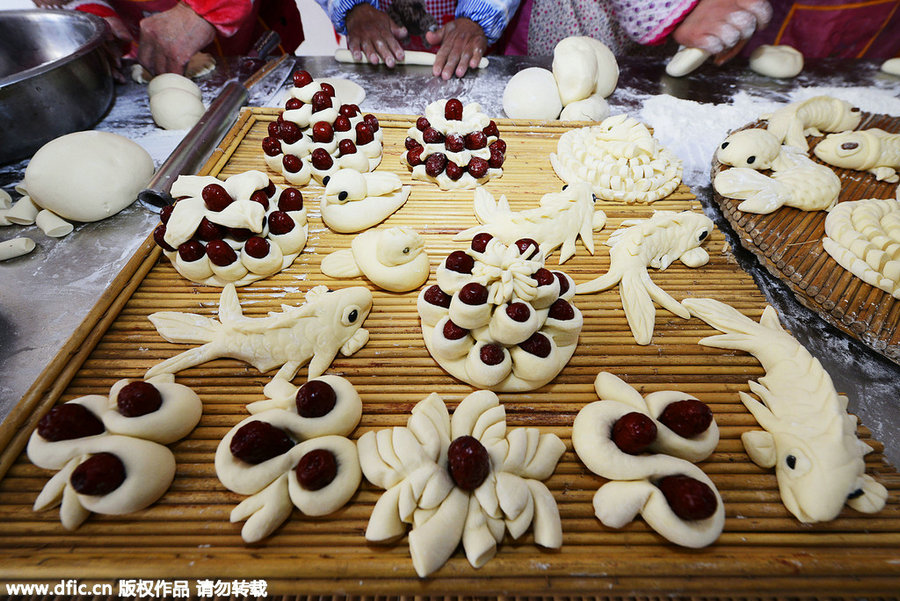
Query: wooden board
point(187, 534)
point(788, 242)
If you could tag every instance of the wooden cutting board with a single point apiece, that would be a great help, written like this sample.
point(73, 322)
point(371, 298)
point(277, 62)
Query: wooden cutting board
point(187, 534)
point(788, 243)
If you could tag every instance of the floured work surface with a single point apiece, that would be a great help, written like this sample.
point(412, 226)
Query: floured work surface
point(788, 242)
point(187, 534)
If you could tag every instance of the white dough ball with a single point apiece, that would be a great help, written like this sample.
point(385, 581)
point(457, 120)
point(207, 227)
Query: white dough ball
point(172, 80)
point(594, 108)
point(776, 61)
point(584, 67)
point(531, 94)
point(346, 91)
point(892, 66)
point(175, 108)
point(88, 175)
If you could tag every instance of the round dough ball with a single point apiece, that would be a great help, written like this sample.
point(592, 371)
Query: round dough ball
point(531, 94)
point(594, 108)
point(172, 80)
point(892, 66)
point(88, 175)
point(776, 61)
point(175, 108)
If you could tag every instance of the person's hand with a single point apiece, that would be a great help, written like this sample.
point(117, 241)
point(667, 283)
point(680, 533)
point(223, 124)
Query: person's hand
point(170, 38)
point(462, 44)
point(722, 27)
point(373, 34)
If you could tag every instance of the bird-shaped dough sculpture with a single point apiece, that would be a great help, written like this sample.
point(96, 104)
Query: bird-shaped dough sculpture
point(355, 201)
point(391, 258)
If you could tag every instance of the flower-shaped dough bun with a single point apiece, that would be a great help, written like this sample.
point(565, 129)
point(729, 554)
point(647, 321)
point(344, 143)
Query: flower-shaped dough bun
point(107, 448)
point(455, 146)
point(293, 450)
point(462, 479)
point(645, 446)
point(315, 135)
point(238, 231)
point(510, 325)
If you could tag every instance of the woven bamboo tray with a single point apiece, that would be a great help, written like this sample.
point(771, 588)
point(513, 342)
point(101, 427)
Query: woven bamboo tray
point(763, 550)
point(788, 243)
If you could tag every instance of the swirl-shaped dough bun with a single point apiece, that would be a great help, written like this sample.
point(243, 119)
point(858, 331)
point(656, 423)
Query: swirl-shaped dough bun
point(131, 434)
point(276, 482)
point(637, 480)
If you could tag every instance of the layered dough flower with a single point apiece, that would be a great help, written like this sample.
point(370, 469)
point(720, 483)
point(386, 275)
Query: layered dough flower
point(462, 479)
point(109, 449)
point(620, 159)
point(646, 446)
point(293, 451)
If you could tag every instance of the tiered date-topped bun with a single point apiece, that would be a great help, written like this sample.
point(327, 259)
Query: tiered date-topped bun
point(497, 318)
point(235, 231)
point(314, 136)
point(455, 146)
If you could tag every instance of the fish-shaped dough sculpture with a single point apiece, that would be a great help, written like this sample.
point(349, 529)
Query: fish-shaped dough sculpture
point(797, 181)
point(792, 123)
point(355, 201)
point(654, 242)
point(314, 332)
point(391, 258)
point(808, 437)
point(873, 150)
point(558, 222)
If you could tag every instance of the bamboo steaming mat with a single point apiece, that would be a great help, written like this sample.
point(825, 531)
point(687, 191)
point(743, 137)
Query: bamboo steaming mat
point(187, 533)
point(788, 242)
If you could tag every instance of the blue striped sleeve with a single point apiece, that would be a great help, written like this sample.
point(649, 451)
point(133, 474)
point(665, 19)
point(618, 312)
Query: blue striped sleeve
point(492, 15)
point(337, 11)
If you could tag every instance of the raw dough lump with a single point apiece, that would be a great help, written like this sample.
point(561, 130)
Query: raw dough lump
point(776, 61)
point(517, 337)
point(531, 94)
point(620, 159)
point(445, 506)
point(175, 101)
point(88, 175)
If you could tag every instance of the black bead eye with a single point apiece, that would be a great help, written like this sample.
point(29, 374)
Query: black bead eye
point(791, 461)
point(856, 494)
point(565, 186)
point(352, 316)
point(751, 160)
point(342, 195)
point(406, 251)
point(703, 235)
point(325, 180)
point(725, 145)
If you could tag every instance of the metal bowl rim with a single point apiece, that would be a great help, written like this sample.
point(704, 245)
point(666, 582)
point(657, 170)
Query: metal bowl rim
point(94, 41)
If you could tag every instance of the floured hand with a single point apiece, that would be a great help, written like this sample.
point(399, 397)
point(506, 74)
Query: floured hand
point(462, 43)
point(722, 27)
point(372, 34)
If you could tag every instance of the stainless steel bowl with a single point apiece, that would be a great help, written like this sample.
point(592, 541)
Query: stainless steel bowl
point(55, 77)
